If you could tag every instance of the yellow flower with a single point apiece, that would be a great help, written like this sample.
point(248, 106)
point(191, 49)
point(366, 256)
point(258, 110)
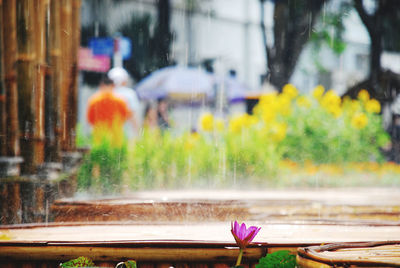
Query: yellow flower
point(332, 103)
point(310, 168)
point(239, 122)
point(249, 120)
point(363, 95)
point(303, 101)
point(284, 104)
point(236, 123)
point(318, 92)
point(268, 116)
point(290, 91)
point(347, 100)
point(330, 98)
point(207, 122)
point(277, 131)
point(354, 106)
point(335, 110)
point(359, 120)
point(219, 124)
point(267, 101)
point(191, 141)
point(373, 106)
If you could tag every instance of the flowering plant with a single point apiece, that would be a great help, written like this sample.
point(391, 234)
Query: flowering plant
point(309, 131)
point(243, 237)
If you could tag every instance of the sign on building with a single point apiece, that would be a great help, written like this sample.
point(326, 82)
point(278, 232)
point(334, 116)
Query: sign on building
point(87, 61)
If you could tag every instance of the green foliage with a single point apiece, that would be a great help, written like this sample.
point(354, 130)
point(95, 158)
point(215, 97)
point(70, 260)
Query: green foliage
point(329, 31)
point(278, 259)
point(82, 140)
point(316, 135)
point(320, 138)
point(103, 167)
point(207, 159)
point(78, 262)
point(317, 130)
point(130, 264)
point(126, 264)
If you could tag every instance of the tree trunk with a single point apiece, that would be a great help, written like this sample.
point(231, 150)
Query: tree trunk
point(264, 32)
point(27, 84)
point(3, 110)
point(163, 34)
point(293, 22)
point(374, 25)
point(375, 60)
point(10, 73)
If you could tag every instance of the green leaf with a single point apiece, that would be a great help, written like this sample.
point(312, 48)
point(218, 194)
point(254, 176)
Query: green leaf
point(281, 258)
point(127, 264)
point(78, 262)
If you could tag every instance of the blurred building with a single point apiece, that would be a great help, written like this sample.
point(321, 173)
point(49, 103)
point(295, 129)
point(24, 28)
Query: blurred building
point(227, 33)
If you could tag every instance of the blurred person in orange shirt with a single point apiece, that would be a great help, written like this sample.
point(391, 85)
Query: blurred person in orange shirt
point(107, 112)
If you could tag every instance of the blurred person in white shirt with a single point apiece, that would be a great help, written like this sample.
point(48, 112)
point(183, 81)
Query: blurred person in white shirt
point(120, 77)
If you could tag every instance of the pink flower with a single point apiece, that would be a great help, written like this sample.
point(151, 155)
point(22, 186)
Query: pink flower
point(242, 235)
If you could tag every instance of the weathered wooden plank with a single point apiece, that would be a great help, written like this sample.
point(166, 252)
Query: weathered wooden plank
point(384, 253)
point(147, 211)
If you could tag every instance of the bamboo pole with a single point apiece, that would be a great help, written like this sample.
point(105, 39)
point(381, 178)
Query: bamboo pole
point(54, 104)
point(27, 83)
point(41, 7)
point(3, 121)
point(66, 46)
point(73, 103)
point(10, 59)
point(69, 251)
point(48, 96)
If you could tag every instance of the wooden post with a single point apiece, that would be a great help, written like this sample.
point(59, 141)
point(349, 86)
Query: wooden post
point(3, 116)
point(27, 83)
point(66, 46)
point(48, 94)
point(41, 8)
point(10, 62)
point(54, 103)
point(73, 97)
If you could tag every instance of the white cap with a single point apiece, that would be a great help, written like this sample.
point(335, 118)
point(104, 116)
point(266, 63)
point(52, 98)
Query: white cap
point(118, 75)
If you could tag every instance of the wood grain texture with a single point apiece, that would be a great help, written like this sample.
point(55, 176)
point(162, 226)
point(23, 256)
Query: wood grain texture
point(385, 253)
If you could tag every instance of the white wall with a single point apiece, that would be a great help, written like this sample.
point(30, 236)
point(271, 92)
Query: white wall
point(227, 31)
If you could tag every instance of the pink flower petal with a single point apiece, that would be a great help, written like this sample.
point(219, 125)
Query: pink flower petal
point(243, 236)
point(242, 231)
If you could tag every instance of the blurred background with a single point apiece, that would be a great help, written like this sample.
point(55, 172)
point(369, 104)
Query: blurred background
point(102, 97)
point(266, 44)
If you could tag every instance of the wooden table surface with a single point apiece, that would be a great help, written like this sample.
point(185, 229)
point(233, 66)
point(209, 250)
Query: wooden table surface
point(291, 231)
point(218, 232)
